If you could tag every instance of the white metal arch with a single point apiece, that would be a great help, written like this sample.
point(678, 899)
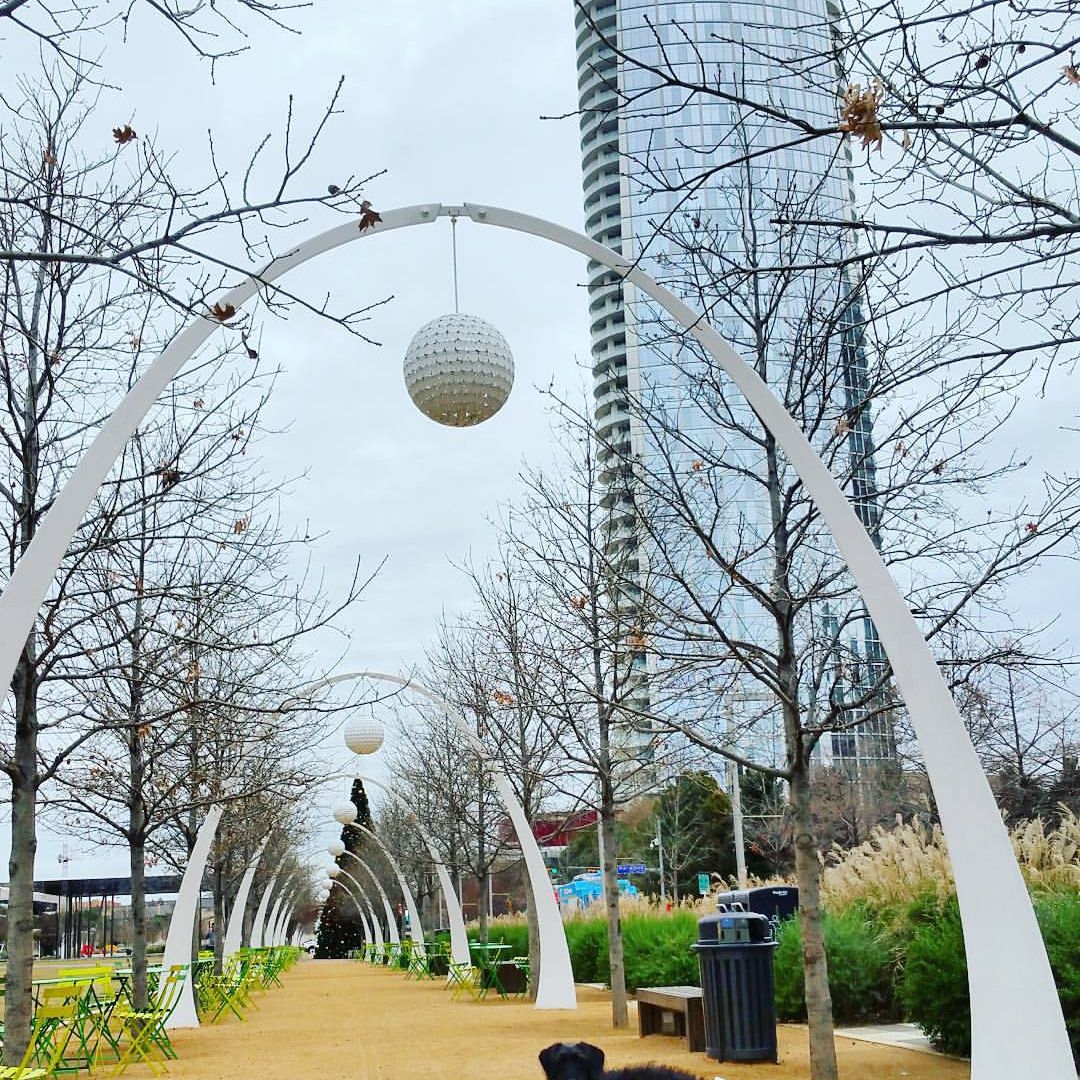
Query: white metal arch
point(372, 932)
point(555, 980)
point(416, 930)
point(1017, 1023)
point(459, 940)
point(388, 909)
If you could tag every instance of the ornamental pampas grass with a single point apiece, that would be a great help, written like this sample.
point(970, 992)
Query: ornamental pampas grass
point(910, 862)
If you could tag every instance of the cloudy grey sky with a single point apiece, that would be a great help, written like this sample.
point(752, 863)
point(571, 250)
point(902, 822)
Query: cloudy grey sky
point(448, 100)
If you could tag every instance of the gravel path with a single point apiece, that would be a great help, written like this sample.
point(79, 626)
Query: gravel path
point(341, 1020)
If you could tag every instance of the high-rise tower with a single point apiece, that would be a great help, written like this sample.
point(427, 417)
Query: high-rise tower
point(644, 148)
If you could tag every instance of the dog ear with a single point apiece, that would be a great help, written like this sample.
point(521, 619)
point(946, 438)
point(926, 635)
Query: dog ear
point(549, 1057)
point(594, 1057)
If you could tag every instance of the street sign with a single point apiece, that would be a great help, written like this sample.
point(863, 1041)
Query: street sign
point(703, 884)
point(632, 868)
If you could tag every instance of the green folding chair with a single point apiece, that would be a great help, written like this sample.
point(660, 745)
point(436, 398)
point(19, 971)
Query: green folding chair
point(55, 1025)
point(464, 980)
point(144, 1029)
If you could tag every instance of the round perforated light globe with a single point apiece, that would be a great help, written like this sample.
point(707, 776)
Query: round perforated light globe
point(363, 735)
point(459, 370)
point(335, 848)
point(345, 813)
point(333, 872)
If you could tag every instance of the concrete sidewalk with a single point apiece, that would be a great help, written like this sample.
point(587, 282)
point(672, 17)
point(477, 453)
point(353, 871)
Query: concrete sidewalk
point(902, 1036)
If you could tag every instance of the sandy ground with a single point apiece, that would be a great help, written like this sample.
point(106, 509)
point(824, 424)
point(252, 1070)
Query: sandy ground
point(341, 1020)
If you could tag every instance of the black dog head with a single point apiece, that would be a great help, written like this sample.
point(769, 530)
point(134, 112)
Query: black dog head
point(573, 1061)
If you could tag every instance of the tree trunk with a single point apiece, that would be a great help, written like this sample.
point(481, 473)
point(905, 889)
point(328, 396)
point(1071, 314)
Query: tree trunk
point(482, 905)
point(815, 965)
point(619, 1012)
point(137, 864)
point(534, 932)
point(18, 1000)
point(137, 825)
point(219, 908)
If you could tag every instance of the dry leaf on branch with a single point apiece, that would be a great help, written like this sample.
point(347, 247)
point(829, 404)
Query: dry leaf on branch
point(168, 476)
point(368, 216)
point(860, 112)
point(1072, 74)
point(124, 134)
point(222, 312)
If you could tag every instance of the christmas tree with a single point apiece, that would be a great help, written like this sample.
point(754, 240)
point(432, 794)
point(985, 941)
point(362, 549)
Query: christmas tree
point(340, 928)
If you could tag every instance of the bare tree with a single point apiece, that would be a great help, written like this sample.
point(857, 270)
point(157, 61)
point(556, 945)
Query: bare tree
point(587, 627)
point(763, 651)
point(73, 336)
point(958, 127)
point(498, 644)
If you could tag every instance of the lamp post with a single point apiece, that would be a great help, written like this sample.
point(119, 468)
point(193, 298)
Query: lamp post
point(658, 842)
point(1012, 1034)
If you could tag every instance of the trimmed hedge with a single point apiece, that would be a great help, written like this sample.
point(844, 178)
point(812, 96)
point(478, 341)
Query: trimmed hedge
point(516, 935)
point(860, 971)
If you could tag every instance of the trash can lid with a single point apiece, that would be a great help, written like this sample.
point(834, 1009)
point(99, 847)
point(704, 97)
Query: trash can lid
point(757, 926)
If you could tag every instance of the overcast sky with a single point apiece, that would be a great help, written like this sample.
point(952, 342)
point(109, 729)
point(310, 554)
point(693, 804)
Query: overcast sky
point(448, 100)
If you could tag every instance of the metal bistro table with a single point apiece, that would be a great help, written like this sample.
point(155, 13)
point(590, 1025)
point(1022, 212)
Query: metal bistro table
point(486, 958)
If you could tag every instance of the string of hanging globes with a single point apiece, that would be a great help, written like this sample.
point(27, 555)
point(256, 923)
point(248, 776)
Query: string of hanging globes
point(458, 368)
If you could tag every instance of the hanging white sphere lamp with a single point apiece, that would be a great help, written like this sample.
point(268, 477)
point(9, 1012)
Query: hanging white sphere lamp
point(459, 370)
point(363, 734)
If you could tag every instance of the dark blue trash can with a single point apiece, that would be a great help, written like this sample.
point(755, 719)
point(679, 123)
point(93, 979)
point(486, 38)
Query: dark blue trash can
point(735, 956)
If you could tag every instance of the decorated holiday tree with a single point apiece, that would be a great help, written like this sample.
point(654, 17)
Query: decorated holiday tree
point(340, 928)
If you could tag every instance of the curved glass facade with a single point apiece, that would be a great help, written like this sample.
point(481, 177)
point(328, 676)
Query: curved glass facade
point(652, 192)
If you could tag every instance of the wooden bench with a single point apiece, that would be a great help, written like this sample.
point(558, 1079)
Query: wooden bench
point(682, 1003)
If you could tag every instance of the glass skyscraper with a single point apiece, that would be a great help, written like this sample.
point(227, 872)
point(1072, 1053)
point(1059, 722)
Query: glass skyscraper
point(653, 192)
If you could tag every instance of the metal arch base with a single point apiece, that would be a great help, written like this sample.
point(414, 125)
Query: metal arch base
point(1017, 1024)
point(374, 931)
point(388, 910)
point(459, 938)
point(184, 920)
point(258, 924)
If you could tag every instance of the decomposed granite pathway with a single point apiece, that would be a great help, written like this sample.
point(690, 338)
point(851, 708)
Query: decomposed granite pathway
point(341, 1020)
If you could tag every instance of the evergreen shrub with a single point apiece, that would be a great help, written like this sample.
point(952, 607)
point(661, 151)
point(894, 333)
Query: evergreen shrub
point(934, 989)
